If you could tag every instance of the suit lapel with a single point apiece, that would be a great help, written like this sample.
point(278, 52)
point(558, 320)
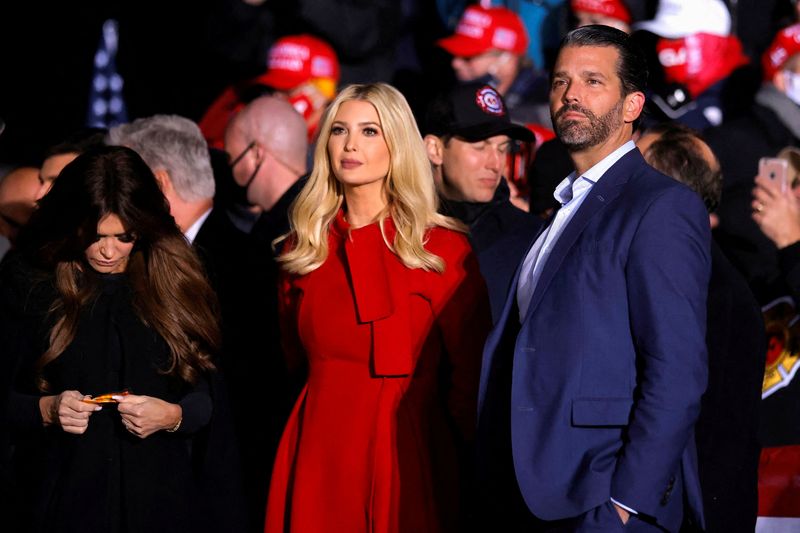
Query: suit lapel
point(512, 291)
point(601, 194)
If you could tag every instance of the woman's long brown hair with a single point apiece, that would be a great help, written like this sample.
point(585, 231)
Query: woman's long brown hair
point(170, 291)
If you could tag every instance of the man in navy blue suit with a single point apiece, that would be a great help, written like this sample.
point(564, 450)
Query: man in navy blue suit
point(593, 375)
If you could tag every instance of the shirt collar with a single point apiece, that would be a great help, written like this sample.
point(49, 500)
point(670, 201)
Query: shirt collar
point(194, 229)
point(564, 191)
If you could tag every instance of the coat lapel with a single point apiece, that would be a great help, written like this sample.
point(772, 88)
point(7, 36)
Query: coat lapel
point(512, 291)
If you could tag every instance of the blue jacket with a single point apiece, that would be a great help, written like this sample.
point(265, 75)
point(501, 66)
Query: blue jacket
point(610, 363)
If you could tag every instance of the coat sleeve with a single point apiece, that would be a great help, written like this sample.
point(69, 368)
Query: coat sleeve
point(24, 330)
point(196, 407)
point(289, 295)
point(461, 306)
point(667, 273)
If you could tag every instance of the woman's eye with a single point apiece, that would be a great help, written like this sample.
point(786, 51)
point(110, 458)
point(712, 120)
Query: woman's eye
point(126, 238)
point(337, 130)
point(370, 132)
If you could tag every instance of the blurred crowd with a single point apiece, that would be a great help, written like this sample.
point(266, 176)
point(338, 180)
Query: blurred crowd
point(224, 102)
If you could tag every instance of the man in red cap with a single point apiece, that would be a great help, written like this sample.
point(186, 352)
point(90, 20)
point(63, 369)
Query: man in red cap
point(772, 123)
point(489, 46)
point(698, 55)
point(302, 68)
point(612, 13)
point(305, 69)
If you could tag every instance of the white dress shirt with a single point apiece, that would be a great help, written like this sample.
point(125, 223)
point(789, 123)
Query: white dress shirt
point(570, 193)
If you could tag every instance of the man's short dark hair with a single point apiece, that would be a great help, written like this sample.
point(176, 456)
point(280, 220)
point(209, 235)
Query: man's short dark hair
point(78, 142)
point(677, 154)
point(632, 65)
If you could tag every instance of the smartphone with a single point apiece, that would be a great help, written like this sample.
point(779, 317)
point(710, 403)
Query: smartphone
point(775, 168)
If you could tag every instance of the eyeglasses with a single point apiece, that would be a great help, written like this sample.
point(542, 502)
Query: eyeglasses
point(241, 156)
point(249, 147)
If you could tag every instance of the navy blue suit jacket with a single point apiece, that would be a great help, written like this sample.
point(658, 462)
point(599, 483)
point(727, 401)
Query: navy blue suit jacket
point(610, 363)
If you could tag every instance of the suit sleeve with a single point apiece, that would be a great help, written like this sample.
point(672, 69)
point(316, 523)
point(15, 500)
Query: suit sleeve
point(461, 304)
point(667, 273)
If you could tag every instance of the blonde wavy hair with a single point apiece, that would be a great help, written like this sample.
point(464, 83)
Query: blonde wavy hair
point(412, 202)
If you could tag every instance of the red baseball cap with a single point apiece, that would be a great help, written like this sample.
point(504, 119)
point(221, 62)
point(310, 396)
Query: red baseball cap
point(295, 59)
point(609, 8)
point(700, 60)
point(486, 28)
point(785, 45)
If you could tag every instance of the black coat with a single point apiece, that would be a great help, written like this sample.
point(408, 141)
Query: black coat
point(167, 482)
point(244, 273)
point(727, 431)
point(739, 145)
point(241, 273)
point(500, 234)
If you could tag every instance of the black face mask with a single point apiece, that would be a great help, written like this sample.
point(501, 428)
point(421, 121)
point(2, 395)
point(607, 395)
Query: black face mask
point(239, 192)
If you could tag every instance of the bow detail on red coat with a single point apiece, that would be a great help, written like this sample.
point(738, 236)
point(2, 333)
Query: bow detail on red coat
point(380, 287)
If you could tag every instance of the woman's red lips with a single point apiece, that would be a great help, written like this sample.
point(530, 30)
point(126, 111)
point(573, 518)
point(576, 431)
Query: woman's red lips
point(350, 163)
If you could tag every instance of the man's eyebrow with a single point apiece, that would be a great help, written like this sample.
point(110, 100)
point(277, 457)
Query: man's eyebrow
point(593, 74)
point(584, 73)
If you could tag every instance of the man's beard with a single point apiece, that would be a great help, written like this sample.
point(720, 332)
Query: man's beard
point(577, 135)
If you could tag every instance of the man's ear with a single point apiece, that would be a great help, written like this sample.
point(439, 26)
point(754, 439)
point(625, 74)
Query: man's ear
point(259, 153)
point(164, 181)
point(632, 107)
point(779, 81)
point(435, 149)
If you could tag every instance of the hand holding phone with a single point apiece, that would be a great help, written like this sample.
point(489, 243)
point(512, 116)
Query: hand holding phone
point(776, 169)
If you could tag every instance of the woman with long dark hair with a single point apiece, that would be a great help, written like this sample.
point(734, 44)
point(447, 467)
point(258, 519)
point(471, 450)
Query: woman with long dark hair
point(116, 375)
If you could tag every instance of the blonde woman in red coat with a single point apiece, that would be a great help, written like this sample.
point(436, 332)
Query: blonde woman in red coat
point(382, 298)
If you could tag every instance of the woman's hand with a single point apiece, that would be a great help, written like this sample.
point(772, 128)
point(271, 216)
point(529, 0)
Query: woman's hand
point(68, 410)
point(776, 212)
point(144, 415)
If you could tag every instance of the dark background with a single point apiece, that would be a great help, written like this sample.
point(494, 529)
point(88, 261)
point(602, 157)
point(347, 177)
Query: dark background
point(177, 56)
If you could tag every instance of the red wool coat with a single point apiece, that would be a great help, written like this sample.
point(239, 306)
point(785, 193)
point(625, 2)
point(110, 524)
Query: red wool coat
point(369, 446)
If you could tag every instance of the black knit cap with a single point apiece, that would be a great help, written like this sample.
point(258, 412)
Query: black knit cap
point(472, 111)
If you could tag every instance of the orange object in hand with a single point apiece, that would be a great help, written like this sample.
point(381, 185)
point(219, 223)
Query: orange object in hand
point(106, 398)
